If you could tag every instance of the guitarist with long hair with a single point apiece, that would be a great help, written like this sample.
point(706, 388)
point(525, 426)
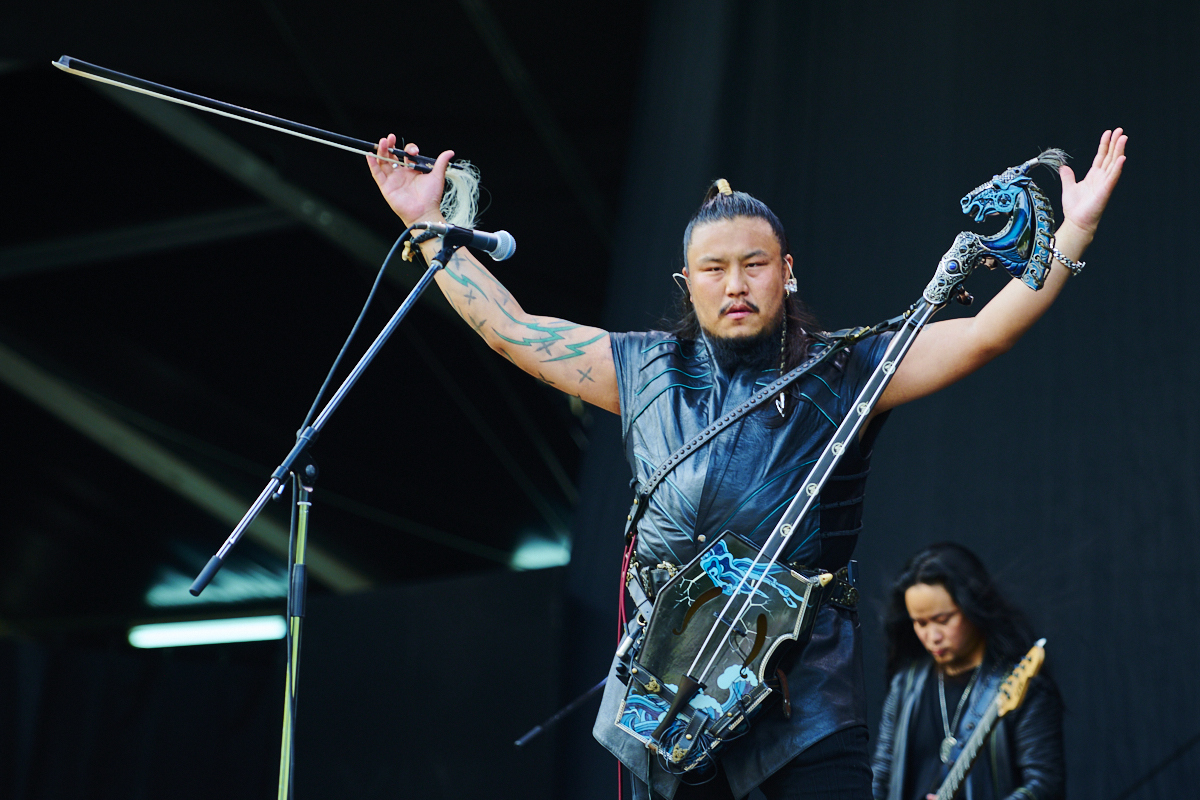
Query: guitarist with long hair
point(952, 638)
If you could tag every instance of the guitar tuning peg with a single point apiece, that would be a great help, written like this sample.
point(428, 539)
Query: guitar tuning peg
point(963, 296)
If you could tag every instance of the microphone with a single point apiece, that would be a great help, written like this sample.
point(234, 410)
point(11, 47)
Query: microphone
point(499, 245)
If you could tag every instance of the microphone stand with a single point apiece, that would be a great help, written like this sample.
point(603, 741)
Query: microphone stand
point(303, 471)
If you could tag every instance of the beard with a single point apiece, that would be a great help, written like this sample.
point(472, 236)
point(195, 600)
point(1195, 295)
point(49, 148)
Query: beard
point(758, 353)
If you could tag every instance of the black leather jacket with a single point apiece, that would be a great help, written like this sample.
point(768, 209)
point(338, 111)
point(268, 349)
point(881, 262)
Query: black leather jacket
point(1024, 752)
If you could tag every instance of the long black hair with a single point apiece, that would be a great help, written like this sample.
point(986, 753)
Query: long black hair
point(1005, 629)
point(718, 206)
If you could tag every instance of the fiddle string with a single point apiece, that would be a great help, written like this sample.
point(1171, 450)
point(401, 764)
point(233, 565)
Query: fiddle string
point(895, 351)
point(754, 588)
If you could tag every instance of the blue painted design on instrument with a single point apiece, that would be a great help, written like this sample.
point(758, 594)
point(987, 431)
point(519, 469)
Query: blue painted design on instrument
point(737, 679)
point(753, 494)
point(649, 381)
point(727, 572)
point(642, 713)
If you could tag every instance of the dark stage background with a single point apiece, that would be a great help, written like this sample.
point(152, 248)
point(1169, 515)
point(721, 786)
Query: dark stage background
point(1070, 464)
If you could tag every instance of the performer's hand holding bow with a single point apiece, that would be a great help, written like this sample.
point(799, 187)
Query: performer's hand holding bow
point(413, 195)
point(573, 358)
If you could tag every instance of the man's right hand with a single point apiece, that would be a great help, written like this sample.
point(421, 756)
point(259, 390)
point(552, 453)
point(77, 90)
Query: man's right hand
point(414, 196)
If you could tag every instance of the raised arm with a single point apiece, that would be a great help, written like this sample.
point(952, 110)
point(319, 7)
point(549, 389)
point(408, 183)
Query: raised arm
point(952, 349)
point(573, 358)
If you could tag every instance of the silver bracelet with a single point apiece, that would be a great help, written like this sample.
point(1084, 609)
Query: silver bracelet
point(1076, 267)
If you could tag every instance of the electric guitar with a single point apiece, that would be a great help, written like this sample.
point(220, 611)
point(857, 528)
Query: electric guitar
point(1008, 698)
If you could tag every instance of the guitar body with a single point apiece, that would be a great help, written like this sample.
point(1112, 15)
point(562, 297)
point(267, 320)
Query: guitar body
point(692, 608)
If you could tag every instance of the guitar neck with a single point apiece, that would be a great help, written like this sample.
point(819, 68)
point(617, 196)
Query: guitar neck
point(1008, 697)
point(970, 751)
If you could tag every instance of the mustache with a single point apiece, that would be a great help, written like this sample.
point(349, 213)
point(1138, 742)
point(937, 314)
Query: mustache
point(739, 304)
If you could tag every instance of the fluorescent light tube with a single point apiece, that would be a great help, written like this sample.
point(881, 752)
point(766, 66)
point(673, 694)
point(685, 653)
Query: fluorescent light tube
point(208, 631)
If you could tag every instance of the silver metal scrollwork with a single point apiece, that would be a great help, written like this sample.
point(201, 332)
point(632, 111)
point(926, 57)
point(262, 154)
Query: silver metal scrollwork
point(959, 261)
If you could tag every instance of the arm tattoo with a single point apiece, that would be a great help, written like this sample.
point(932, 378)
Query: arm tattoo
point(476, 324)
point(501, 292)
point(554, 333)
point(577, 349)
point(465, 282)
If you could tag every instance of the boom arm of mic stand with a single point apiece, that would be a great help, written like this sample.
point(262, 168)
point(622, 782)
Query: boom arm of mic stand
point(309, 434)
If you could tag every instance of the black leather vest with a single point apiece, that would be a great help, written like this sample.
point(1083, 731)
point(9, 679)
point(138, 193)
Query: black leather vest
point(742, 480)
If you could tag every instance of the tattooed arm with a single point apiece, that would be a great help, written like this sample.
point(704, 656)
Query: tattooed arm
point(573, 358)
point(576, 359)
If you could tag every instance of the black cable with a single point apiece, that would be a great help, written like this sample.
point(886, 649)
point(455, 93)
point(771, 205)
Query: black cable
point(1159, 767)
point(353, 331)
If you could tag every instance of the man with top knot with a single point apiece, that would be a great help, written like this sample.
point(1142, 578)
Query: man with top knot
point(742, 324)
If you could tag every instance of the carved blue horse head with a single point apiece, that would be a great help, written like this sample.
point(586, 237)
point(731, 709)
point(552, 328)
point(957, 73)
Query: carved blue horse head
point(1023, 245)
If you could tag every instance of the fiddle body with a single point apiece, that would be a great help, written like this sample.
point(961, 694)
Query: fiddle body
point(686, 719)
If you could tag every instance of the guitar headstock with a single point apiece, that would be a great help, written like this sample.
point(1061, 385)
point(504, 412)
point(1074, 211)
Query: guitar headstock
point(1012, 691)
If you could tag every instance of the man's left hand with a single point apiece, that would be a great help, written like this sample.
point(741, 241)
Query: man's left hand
point(1083, 202)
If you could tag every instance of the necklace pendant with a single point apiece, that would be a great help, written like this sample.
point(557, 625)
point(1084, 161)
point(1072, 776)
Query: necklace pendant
point(779, 403)
point(948, 747)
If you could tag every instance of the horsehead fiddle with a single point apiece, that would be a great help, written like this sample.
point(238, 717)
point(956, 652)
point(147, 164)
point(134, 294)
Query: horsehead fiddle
point(693, 687)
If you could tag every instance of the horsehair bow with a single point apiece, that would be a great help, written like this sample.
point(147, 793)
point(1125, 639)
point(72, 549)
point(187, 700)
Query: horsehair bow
point(96, 73)
point(459, 204)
